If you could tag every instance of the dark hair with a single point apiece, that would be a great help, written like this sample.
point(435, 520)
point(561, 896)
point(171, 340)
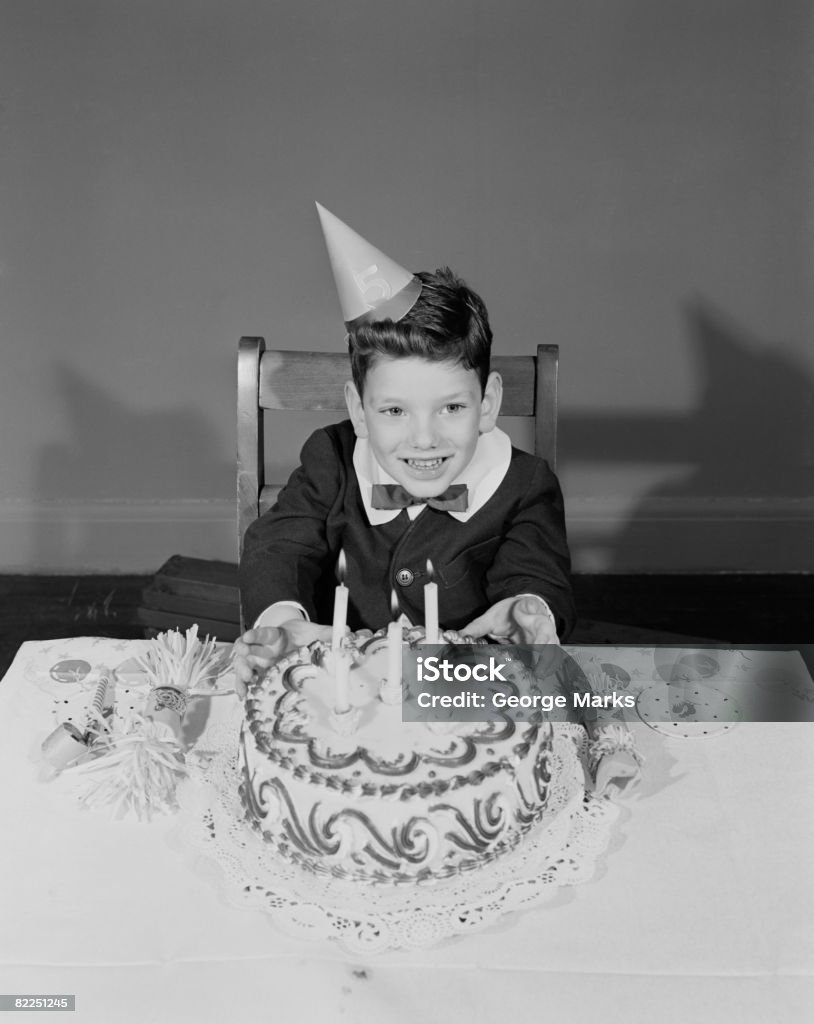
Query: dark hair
point(448, 323)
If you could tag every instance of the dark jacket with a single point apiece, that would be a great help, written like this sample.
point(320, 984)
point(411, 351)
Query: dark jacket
point(514, 544)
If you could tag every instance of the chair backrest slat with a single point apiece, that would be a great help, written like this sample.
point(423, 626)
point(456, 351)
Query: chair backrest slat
point(303, 380)
point(316, 380)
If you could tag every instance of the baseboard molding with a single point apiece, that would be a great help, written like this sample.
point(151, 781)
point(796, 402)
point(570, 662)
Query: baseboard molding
point(607, 534)
point(665, 534)
point(112, 536)
point(618, 509)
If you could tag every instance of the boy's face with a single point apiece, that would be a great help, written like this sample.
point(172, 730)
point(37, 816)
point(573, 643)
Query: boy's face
point(422, 419)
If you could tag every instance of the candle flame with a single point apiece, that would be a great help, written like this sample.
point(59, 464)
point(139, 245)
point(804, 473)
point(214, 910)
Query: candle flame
point(430, 571)
point(395, 608)
point(341, 566)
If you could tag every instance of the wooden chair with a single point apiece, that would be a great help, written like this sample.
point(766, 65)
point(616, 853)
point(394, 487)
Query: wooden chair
point(276, 379)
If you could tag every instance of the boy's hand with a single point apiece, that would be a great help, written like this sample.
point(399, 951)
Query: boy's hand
point(617, 774)
point(516, 620)
point(259, 649)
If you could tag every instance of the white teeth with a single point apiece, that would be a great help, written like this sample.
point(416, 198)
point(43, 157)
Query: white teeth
point(424, 463)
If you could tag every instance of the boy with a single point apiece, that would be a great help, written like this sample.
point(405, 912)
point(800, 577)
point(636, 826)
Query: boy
point(418, 480)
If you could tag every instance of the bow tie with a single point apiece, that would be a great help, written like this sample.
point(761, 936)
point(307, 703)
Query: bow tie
point(454, 499)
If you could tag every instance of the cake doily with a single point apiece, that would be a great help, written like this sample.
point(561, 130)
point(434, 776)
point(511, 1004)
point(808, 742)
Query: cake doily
point(210, 826)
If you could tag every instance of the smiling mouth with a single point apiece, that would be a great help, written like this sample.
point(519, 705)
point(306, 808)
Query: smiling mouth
point(427, 464)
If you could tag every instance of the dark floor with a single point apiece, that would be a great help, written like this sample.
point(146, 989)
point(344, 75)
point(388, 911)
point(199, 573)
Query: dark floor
point(741, 609)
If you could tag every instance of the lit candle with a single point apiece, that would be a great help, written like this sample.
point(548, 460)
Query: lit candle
point(394, 645)
point(341, 662)
point(431, 607)
point(340, 605)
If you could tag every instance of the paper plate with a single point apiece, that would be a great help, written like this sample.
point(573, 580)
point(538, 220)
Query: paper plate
point(692, 710)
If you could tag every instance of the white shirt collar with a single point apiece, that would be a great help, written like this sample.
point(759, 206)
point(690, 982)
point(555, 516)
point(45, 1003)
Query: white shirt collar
point(483, 475)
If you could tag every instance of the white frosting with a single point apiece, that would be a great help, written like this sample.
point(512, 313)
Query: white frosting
point(389, 801)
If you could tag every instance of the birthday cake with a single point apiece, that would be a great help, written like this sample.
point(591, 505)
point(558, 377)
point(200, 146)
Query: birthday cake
point(386, 800)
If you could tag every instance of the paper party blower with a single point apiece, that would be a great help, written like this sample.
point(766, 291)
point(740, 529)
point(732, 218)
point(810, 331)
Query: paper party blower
point(370, 285)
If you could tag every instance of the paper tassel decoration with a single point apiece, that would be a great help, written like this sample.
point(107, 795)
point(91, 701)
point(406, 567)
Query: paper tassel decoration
point(135, 773)
point(183, 662)
point(370, 285)
point(177, 666)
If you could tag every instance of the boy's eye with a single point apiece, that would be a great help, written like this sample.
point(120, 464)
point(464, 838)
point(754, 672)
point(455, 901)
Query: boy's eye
point(392, 410)
point(454, 407)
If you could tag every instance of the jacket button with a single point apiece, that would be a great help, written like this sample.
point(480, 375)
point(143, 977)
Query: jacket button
point(404, 577)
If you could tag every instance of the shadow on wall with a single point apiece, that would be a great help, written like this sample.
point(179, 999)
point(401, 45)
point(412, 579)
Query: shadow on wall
point(750, 444)
point(122, 466)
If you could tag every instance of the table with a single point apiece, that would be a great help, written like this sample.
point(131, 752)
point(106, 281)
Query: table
point(702, 909)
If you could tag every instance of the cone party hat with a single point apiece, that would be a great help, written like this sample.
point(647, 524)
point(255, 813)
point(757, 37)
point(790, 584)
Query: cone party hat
point(370, 285)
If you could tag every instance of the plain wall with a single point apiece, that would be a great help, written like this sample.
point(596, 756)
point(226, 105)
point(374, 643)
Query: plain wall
point(632, 180)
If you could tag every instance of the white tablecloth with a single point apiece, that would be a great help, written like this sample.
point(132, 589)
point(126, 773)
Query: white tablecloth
point(702, 910)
